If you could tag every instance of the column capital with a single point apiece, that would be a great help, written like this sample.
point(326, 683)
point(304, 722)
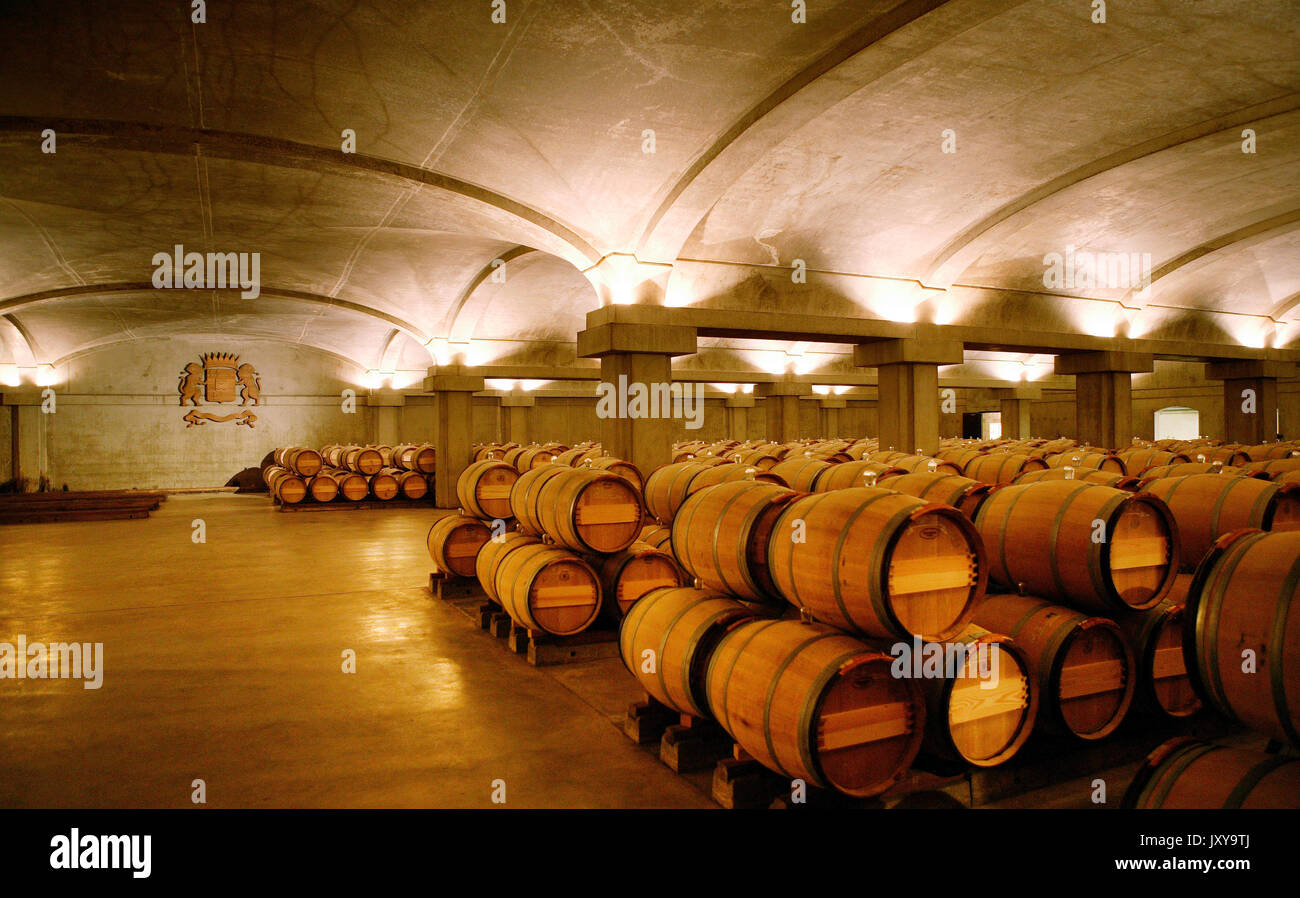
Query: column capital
point(741, 400)
point(783, 388)
point(514, 400)
point(908, 351)
point(1243, 369)
point(446, 382)
point(1018, 393)
point(833, 402)
point(386, 398)
point(1106, 360)
point(614, 337)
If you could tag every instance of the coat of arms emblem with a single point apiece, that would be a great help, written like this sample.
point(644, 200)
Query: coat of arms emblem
point(220, 378)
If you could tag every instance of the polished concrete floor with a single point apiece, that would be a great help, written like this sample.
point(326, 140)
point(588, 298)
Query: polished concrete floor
point(223, 662)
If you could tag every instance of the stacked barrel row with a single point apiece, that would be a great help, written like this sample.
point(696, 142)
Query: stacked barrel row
point(1100, 647)
point(294, 474)
point(554, 542)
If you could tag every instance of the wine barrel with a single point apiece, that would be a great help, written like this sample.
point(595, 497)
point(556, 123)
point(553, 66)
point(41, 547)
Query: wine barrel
point(483, 489)
point(411, 484)
point(548, 588)
point(1090, 460)
point(856, 473)
point(590, 511)
point(384, 486)
point(363, 460)
point(1183, 470)
point(921, 464)
point(422, 458)
point(351, 485)
point(1156, 637)
point(668, 637)
point(524, 496)
point(628, 575)
point(800, 472)
point(532, 457)
point(657, 537)
point(322, 487)
point(960, 492)
point(983, 709)
point(1225, 455)
point(1206, 506)
point(1272, 467)
point(455, 541)
point(1186, 774)
point(668, 487)
point(574, 458)
point(625, 469)
point(878, 562)
point(1083, 666)
point(300, 460)
point(720, 537)
point(1081, 544)
point(491, 452)
point(1082, 475)
point(763, 459)
point(1000, 467)
point(333, 455)
point(1272, 451)
point(490, 556)
point(285, 485)
point(960, 457)
point(1138, 460)
point(812, 703)
point(1244, 598)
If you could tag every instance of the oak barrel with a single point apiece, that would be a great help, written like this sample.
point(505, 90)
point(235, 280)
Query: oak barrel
point(811, 703)
point(878, 562)
point(548, 588)
point(455, 541)
point(981, 708)
point(525, 493)
point(322, 487)
point(657, 537)
point(1243, 599)
point(285, 485)
point(1082, 544)
point(1083, 666)
point(961, 493)
point(856, 473)
point(625, 469)
point(720, 536)
point(1190, 775)
point(589, 511)
point(384, 486)
point(628, 575)
point(668, 637)
point(483, 489)
point(1001, 467)
point(495, 551)
point(1156, 637)
point(800, 472)
point(1206, 506)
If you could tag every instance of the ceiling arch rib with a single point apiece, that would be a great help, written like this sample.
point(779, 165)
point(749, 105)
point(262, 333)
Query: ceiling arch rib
point(950, 260)
point(795, 102)
point(556, 236)
point(16, 304)
point(26, 350)
point(458, 325)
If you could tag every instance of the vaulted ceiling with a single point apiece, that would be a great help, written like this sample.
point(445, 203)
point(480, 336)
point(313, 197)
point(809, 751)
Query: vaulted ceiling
point(720, 134)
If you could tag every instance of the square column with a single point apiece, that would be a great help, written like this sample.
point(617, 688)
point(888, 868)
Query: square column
point(1250, 406)
point(386, 419)
point(452, 430)
point(781, 406)
point(637, 357)
point(907, 379)
point(516, 406)
point(829, 413)
point(1103, 394)
point(1014, 405)
point(738, 407)
point(29, 435)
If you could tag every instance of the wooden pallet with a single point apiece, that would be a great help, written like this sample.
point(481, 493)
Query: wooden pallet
point(51, 507)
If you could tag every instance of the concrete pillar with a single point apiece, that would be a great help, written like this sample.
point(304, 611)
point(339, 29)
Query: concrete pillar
point(1250, 404)
point(907, 379)
point(738, 407)
point(1103, 394)
point(636, 356)
point(1014, 405)
point(453, 436)
point(29, 436)
point(386, 416)
point(515, 407)
point(781, 406)
point(830, 416)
